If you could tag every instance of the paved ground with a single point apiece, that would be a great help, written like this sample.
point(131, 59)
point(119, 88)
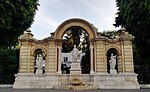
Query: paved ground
point(50, 90)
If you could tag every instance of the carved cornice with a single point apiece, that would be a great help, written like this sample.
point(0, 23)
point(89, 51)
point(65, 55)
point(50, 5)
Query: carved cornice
point(105, 39)
point(33, 40)
point(45, 40)
point(122, 36)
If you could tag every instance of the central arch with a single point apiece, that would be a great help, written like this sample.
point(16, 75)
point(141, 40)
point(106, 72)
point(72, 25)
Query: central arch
point(88, 27)
point(75, 22)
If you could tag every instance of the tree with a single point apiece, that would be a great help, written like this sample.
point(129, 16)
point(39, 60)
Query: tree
point(72, 37)
point(15, 17)
point(9, 64)
point(134, 15)
point(110, 34)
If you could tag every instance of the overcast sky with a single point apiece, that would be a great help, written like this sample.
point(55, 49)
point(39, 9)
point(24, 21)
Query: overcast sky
point(51, 13)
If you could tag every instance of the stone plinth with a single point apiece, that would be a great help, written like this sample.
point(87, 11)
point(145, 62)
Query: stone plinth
point(75, 68)
point(113, 71)
point(116, 81)
point(88, 81)
point(35, 81)
point(39, 71)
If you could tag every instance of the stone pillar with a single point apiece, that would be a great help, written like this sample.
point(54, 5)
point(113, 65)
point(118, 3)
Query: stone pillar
point(91, 59)
point(122, 57)
point(59, 59)
point(29, 57)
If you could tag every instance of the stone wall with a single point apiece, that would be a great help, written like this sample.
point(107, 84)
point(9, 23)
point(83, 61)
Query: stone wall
point(27, 80)
point(24, 53)
point(27, 53)
point(118, 81)
point(51, 59)
point(96, 81)
point(128, 57)
point(100, 57)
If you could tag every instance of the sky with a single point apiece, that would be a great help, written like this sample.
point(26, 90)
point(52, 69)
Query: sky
point(51, 13)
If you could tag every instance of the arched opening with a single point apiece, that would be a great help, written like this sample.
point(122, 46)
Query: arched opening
point(39, 59)
point(75, 35)
point(75, 24)
point(114, 52)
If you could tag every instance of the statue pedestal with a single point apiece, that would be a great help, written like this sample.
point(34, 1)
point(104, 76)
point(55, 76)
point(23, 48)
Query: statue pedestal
point(75, 68)
point(113, 71)
point(39, 71)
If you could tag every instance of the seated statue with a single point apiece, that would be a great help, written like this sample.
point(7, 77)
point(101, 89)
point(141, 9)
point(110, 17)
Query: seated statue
point(75, 55)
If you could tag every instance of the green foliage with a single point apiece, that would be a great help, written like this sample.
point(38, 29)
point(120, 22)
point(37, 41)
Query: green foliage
point(67, 46)
point(85, 64)
point(76, 32)
point(9, 64)
point(110, 34)
point(77, 36)
point(74, 36)
point(15, 17)
point(9, 60)
point(134, 15)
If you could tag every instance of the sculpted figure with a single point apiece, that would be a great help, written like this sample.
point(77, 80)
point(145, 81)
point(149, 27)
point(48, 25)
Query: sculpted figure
point(112, 61)
point(39, 63)
point(75, 55)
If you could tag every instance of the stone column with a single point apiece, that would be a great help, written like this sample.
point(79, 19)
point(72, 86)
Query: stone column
point(59, 59)
point(91, 59)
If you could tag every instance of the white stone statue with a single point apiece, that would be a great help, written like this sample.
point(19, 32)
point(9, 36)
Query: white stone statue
point(75, 55)
point(112, 61)
point(39, 64)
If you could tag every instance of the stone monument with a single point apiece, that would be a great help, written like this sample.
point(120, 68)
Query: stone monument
point(99, 46)
point(75, 66)
point(112, 63)
point(39, 64)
